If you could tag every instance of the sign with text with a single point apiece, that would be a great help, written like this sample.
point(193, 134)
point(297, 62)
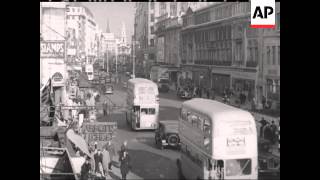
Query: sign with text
point(52, 49)
point(99, 131)
point(263, 14)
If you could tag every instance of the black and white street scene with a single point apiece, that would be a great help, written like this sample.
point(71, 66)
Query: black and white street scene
point(158, 90)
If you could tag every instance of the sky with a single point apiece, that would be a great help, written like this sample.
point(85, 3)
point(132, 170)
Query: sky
point(116, 12)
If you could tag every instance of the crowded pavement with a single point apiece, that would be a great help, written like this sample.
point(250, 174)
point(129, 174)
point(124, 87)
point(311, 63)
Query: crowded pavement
point(158, 90)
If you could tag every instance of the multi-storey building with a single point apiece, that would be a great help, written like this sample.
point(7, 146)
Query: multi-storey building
point(270, 75)
point(167, 30)
point(144, 37)
point(82, 29)
point(76, 21)
point(53, 51)
point(219, 50)
point(123, 50)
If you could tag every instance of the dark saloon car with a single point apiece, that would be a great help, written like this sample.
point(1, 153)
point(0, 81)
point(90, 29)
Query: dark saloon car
point(167, 134)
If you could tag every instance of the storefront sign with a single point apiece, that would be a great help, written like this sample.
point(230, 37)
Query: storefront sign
point(57, 79)
point(52, 49)
point(99, 131)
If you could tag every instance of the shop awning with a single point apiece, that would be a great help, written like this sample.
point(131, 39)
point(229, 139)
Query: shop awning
point(78, 141)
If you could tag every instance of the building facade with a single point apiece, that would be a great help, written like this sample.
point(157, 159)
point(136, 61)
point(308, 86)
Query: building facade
point(124, 49)
point(219, 50)
point(53, 48)
point(270, 75)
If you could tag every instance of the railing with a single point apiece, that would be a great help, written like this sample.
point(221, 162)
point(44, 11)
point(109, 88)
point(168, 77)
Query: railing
point(252, 63)
point(238, 63)
point(222, 63)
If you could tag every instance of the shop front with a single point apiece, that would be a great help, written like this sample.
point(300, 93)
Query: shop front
point(220, 82)
point(273, 92)
point(244, 82)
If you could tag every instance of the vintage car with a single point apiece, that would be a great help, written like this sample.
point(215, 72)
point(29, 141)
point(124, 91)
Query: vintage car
point(109, 89)
point(167, 134)
point(185, 93)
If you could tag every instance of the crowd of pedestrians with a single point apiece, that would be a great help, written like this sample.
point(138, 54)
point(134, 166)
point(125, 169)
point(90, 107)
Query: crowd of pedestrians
point(101, 162)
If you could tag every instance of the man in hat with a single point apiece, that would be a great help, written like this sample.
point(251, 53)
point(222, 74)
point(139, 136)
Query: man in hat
point(85, 169)
point(97, 159)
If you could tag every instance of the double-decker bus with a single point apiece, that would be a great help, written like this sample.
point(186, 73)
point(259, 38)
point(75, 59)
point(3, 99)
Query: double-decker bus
point(218, 141)
point(89, 71)
point(142, 104)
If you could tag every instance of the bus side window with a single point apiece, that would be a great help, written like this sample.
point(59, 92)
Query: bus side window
point(194, 121)
point(189, 117)
point(206, 126)
point(152, 111)
point(200, 120)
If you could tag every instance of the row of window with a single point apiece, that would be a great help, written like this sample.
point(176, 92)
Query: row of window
point(218, 13)
point(196, 121)
point(74, 9)
point(273, 55)
point(215, 34)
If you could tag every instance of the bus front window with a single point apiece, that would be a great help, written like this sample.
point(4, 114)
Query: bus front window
point(238, 167)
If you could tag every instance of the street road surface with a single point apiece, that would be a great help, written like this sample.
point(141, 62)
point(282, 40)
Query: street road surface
point(148, 162)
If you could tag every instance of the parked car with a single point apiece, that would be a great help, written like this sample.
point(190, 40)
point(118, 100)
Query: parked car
point(163, 85)
point(109, 89)
point(186, 93)
point(167, 134)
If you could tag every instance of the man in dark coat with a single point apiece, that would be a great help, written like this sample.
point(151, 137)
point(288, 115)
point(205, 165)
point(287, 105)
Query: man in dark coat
point(125, 165)
point(97, 160)
point(274, 132)
point(263, 124)
point(85, 170)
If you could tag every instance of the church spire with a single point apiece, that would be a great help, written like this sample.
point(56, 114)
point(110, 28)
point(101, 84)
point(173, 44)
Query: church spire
point(123, 34)
point(108, 29)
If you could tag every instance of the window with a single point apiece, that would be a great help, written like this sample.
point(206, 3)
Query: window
point(173, 9)
point(152, 18)
point(72, 17)
point(206, 126)
point(152, 42)
point(149, 111)
point(78, 9)
point(235, 167)
point(72, 9)
point(152, 30)
point(274, 55)
point(152, 5)
point(152, 111)
point(268, 55)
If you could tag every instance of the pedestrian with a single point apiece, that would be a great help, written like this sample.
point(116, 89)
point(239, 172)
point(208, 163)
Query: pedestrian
point(110, 148)
point(125, 165)
point(253, 104)
point(208, 93)
point(123, 147)
point(105, 161)
point(97, 160)
point(268, 133)
point(85, 169)
point(263, 124)
point(200, 92)
point(264, 100)
point(274, 131)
